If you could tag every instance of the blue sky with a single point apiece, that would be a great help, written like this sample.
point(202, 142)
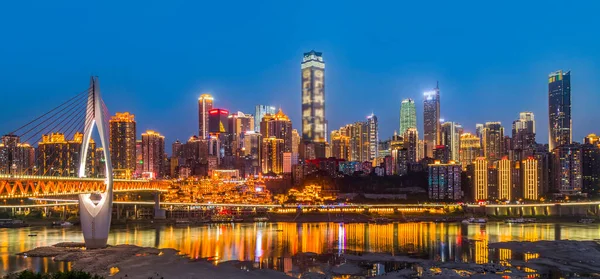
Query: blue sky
point(154, 58)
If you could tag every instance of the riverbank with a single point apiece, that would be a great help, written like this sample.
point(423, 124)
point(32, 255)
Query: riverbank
point(563, 257)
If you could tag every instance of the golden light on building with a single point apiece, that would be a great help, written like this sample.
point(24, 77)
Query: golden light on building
point(470, 149)
point(272, 161)
point(122, 137)
point(481, 179)
point(592, 139)
point(504, 178)
point(530, 179)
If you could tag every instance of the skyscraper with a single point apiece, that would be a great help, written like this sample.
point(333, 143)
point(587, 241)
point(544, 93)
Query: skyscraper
point(408, 115)
point(153, 154)
point(16, 157)
point(451, 132)
point(313, 98)
point(279, 126)
point(373, 137)
point(470, 149)
point(480, 181)
point(260, 112)
point(504, 178)
point(431, 120)
point(523, 134)
point(567, 168)
point(122, 134)
point(559, 109)
point(205, 103)
point(272, 155)
point(530, 179)
point(445, 181)
point(493, 141)
point(411, 144)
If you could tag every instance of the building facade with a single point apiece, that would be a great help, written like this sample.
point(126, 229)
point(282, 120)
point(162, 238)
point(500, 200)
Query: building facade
point(122, 137)
point(559, 109)
point(493, 141)
point(260, 112)
point(205, 104)
point(313, 98)
point(470, 149)
point(431, 121)
point(408, 115)
point(153, 155)
point(445, 181)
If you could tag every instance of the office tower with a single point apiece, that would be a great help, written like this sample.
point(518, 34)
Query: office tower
point(431, 120)
point(122, 134)
point(566, 168)
point(408, 115)
point(239, 124)
point(445, 181)
point(153, 154)
point(177, 149)
point(479, 132)
point(279, 126)
point(373, 137)
point(16, 157)
point(272, 157)
point(493, 141)
point(523, 135)
point(340, 144)
point(441, 154)
point(252, 152)
point(545, 172)
point(559, 109)
point(504, 178)
point(411, 143)
point(205, 104)
point(529, 178)
point(590, 168)
point(218, 121)
point(470, 149)
point(451, 132)
point(295, 141)
point(358, 141)
point(260, 112)
point(420, 150)
point(313, 98)
point(480, 181)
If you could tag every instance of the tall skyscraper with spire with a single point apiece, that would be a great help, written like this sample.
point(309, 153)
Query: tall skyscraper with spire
point(313, 97)
point(205, 103)
point(559, 109)
point(431, 120)
point(408, 115)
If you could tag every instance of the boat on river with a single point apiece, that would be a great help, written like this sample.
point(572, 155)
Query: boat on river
point(12, 223)
point(474, 221)
point(519, 220)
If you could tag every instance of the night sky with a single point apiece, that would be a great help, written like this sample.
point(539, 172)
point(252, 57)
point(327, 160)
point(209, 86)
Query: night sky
point(154, 58)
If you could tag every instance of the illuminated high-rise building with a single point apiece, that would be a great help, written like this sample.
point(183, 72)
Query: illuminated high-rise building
point(480, 180)
point(153, 154)
point(16, 157)
point(451, 132)
point(592, 139)
point(445, 181)
point(567, 168)
point(295, 142)
point(523, 134)
point(559, 109)
point(373, 137)
point(529, 168)
point(408, 115)
point(239, 124)
point(205, 104)
point(493, 141)
point(411, 143)
point(504, 179)
point(340, 144)
point(470, 149)
point(260, 112)
point(479, 132)
point(122, 134)
point(272, 155)
point(313, 98)
point(53, 153)
point(431, 121)
point(590, 168)
point(278, 125)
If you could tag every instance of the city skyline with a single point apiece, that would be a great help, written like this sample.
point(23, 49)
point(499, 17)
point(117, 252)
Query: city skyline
point(471, 93)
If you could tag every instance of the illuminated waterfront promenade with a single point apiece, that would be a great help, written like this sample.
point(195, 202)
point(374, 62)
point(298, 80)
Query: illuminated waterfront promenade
point(272, 245)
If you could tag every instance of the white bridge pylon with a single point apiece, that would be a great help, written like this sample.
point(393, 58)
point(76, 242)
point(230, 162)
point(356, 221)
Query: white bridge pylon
point(95, 217)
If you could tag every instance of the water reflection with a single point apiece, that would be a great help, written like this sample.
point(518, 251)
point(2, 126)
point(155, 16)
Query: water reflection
point(277, 245)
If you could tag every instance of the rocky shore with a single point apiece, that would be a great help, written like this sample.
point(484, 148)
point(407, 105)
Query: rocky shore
point(563, 258)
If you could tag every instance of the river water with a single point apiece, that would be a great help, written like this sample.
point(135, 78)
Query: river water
point(272, 245)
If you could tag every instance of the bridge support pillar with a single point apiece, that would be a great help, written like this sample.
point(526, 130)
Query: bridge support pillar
point(158, 212)
point(95, 220)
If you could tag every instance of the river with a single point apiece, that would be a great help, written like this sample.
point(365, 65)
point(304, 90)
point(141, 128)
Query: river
point(272, 245)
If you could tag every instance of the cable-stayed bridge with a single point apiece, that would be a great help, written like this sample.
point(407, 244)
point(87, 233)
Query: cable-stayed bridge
point(55, 154)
